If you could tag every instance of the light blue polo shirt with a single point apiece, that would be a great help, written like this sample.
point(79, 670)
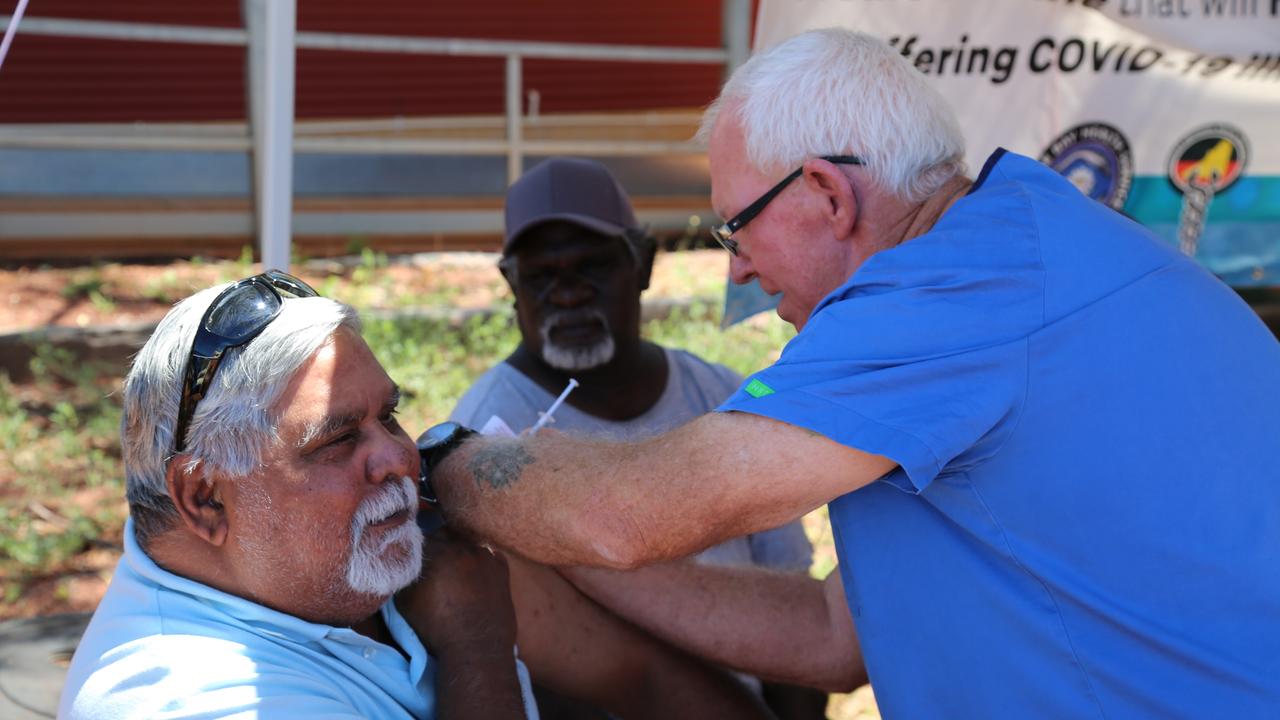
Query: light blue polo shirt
point(163, 646)
point(1085, 522)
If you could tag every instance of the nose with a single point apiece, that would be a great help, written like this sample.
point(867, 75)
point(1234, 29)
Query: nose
point(741, 271)
point(570, 292)
point(392, 456)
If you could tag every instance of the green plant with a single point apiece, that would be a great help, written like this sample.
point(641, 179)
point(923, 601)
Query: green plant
point(83, 284)
point(101, 302)
point(244, 263)
point(31, 549)
point(370, 263)
point(436, 361)
point(57, 369)
point(356, 244)
point(51, 363)
point(163, 288)
point(16, 428)
point(744, 348)
point(241, 267)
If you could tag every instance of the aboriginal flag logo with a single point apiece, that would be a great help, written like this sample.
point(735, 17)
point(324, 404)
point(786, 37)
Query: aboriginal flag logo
point(1210, 159)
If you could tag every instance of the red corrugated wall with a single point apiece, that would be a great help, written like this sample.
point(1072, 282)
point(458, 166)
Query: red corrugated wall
point(47, 79)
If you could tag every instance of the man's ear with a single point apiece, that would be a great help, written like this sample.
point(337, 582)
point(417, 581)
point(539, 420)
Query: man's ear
point(646, 248)
point(197, 500)
point(838, 193)
point(507, 266)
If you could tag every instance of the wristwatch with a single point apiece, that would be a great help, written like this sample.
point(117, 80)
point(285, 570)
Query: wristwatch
point(434, 446)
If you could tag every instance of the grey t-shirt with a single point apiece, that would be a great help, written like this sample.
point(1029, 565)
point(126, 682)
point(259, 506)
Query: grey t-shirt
point(694, 387)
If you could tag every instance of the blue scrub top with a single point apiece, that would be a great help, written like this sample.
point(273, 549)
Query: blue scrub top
point(1086, 517)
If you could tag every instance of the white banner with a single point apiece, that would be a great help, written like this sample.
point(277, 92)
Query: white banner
point(1167, 110)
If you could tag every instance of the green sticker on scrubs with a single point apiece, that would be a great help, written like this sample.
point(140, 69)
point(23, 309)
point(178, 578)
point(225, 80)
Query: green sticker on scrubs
point(757, 389)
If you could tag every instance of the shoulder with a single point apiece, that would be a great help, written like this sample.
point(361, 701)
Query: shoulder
point(166, 653)
point(190, 676)
point(718, 380)
point(183, 676)
point(1084, 249)
point(496, 392)
point(162, 645)
point(975, 279)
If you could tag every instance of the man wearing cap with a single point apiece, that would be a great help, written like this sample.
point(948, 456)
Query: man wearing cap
point(577, 261)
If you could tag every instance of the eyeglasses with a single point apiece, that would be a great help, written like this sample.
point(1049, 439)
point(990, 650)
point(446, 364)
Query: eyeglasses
point(724, 233)
point(239, 314)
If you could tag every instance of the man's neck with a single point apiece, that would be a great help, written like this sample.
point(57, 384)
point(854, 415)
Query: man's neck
point(174, 552)
point(375, 628)
point(624, 388)
point(921, 217)
point(179, 553)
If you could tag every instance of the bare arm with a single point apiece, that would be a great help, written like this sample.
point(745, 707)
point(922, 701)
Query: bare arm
point(575, 647)
point(567, 501)
point(460, 607)
point(474, 685)
point(784, 627)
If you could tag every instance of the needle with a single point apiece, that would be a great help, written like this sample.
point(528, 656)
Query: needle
point(546, 416)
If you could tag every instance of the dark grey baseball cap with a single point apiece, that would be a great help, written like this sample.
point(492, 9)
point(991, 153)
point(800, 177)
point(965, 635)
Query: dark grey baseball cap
point(579, 191)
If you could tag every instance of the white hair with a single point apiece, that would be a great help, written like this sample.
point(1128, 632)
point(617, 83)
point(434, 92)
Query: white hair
point(236, 419)
point(839, 92)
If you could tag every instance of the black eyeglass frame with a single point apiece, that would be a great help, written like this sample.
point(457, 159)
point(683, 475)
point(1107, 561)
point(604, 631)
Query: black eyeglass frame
point(209, 346)
point(724, 233)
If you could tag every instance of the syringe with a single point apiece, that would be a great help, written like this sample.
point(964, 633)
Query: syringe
point(545, 417)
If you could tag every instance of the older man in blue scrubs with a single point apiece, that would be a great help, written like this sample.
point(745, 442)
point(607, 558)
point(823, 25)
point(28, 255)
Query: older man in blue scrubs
point(1048, 442)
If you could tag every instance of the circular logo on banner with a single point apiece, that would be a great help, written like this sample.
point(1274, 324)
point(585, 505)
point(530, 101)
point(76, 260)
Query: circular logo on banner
point(1095, 157)
point(1210, 158)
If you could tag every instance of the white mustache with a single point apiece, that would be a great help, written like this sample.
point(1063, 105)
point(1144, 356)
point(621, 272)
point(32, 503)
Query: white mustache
point(572, 317)
point(397, 496)
point(367, 570)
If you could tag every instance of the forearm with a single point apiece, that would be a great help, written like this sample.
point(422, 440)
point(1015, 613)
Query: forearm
point(566, 501)
point(478, 685)
point(681, 686)
point(556, 500)
point(777, 626)
point(577, 648)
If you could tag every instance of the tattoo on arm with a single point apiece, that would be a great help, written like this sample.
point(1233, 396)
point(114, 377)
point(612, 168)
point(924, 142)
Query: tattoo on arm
point(499, 465)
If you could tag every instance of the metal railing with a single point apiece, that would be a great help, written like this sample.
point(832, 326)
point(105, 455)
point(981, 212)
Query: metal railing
point(233, 138)
point(271, 39)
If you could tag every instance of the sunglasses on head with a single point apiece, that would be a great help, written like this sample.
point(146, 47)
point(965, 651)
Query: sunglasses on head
point(239, 314)
point(724, 233)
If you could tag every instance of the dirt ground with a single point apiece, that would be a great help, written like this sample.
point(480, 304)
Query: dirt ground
point(118, 293)
point(123, 293)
